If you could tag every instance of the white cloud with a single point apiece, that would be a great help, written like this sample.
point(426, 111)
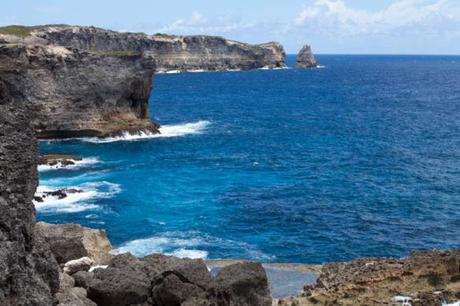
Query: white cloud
point(197, 23)
point(403, 14)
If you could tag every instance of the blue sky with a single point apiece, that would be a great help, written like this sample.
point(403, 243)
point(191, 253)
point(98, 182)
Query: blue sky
point(330, 26)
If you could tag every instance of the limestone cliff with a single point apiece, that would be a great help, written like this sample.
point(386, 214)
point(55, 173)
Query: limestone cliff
point(28, 271)
point(305, 58)
point(169, 52)
point(78, 93)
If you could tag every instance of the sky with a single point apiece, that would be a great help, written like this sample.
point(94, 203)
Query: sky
point(329, 26)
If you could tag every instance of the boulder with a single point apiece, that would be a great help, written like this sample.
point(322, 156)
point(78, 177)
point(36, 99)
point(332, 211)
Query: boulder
point(83, 278)
point(66, 282)
point(124, 282)
point(189, 281)
point(81, 264)
point(72, 241)
point(305, 58)
point(243, 284)
point(74, 297)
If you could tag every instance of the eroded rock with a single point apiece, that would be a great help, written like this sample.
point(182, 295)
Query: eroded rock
point(29, 275)
point(74, 93)
point(305, 58)
point(76, 265)
point(72, 241)
point(243, 284)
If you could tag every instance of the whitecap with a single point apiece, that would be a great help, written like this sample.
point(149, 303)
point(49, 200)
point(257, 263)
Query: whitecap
point(193, 254)
point(320, 67)
point(156, 244)
point(190, 244)
point(85, 162)
point(173, 71)
point(77, 201)
point(452, 304)
point(176, 130)
point(196, 70)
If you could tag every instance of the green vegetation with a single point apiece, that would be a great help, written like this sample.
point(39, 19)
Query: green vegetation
point(24, 31)
point(121, 53)
point(164, 35)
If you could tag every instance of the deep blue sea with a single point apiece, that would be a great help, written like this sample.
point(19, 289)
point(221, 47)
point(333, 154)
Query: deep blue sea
point(359, 157)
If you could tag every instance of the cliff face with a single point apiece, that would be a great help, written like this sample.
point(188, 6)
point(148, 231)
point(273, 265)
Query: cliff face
point(305, 58)
point(77, 93)
point(170, 52)
point(28, 271)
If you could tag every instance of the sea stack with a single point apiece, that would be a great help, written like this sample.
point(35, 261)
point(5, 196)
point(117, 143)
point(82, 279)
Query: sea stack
point(305, 58)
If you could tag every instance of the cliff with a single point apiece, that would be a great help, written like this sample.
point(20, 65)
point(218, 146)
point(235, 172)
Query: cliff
point(78, 93)
point(305, 58)
point(169, 52)
point(28, 271)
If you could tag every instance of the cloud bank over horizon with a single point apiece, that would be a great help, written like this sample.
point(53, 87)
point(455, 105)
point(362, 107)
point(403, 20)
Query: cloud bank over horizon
point(330, 26)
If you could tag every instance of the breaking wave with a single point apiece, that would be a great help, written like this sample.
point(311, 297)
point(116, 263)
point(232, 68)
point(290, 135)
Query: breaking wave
point(165, 131)
point(79, 199)
point(190, 244)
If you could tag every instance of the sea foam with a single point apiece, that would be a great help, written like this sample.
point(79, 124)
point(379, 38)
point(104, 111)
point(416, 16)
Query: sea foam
point(77, 201)
point(165, 131)
point(165, 245)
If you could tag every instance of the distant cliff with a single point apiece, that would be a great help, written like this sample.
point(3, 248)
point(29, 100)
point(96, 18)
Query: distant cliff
point(77, 93)
point(169, 52)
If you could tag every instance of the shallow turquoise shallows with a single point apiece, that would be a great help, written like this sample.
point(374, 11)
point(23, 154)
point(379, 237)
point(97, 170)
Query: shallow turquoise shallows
point(359, 157)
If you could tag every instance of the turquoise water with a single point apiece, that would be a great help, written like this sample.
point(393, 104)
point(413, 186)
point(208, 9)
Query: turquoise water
point(361, 157)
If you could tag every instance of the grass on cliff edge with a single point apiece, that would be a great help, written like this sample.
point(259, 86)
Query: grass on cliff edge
point(24, 31)
point(121, 53)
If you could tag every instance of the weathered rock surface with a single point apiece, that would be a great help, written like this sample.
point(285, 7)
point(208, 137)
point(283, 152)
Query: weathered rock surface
point(77, 93)
point(305, 58)
point(76, 265)
point(72, 241)
point(28, 271)
point(169, 52)
point(243, 284)
point(167, 281)
point(426, 278)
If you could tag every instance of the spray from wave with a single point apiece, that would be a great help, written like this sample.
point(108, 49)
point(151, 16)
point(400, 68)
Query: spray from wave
point(85, 162)
point(165, 131)
point(190, 244)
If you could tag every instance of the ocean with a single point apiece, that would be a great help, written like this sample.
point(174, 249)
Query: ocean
point(360, 157)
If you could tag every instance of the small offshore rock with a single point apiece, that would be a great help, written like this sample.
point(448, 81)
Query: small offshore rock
point(55, 159)
point(305, 58)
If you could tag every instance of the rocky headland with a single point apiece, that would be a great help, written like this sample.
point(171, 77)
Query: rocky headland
point(169, 52)
point(306, 58)
point(78, 93)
